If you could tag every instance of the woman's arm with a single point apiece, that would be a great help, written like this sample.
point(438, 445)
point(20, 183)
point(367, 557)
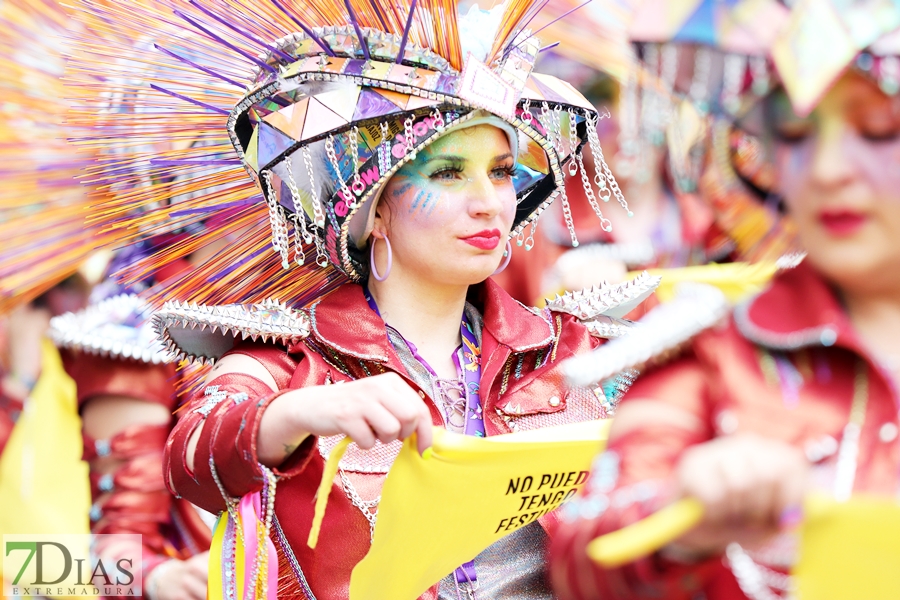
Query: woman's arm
point(137, 501)
point(663, 447)
point(241, 421)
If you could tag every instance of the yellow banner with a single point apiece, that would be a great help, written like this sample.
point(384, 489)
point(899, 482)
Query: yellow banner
point(440, 511)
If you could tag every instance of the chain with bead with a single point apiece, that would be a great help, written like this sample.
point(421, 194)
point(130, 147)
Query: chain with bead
point(567, 214)
point(529, 241)
point(556, 122)
point(699, 90)
point(734, 68)
point(299, 219)
point(589, 192)
point(408, 133)
point(759, 73)
point(438, 119)
point(280, 239)
point(299, 254)
point(527, 117)
point(318, 221)
point(384, 149)
point(318, 215)
point(546, 121)
point(332, 158)
point(600, 162)
point(573, 144)
point(299, 212)
point(358, 186)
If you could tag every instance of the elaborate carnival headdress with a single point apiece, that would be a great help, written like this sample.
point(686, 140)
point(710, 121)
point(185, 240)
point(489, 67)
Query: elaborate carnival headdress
point(42, 205)
point(322, 102)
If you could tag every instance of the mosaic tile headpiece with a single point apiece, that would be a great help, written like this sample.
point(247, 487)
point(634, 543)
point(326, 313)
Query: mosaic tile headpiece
point(350, 91)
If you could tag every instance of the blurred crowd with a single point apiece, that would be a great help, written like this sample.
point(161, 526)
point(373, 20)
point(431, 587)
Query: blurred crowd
point(751, 146)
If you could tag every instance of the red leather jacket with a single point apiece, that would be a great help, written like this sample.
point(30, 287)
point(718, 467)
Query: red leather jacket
point(784, 367)
point(521, 387)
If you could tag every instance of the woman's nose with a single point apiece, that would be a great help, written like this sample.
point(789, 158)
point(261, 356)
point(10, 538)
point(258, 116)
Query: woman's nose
point(485, 198)
point(831, 165)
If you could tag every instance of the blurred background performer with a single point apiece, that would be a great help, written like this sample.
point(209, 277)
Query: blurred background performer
point(754, 415)
point(661, 103)
point(127, 393)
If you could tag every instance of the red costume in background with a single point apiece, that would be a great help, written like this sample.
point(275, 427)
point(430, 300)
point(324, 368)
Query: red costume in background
point(133, 498)
point(784, 367)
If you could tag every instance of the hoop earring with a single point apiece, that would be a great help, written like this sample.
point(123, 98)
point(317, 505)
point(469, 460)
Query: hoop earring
point(390, 259)
point(507, 256)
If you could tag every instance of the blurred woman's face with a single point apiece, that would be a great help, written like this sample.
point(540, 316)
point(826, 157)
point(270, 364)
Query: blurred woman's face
point(448, 213)
point(839, 174)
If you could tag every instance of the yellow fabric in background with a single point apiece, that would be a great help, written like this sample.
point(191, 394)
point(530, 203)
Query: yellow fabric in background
point(849, 549)
point(737, 281)
point(44, 486)
point(441, 511)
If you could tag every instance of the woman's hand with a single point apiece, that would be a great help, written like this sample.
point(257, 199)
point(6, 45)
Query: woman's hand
point(749, 487)
point(382, 407)
point(180, 579)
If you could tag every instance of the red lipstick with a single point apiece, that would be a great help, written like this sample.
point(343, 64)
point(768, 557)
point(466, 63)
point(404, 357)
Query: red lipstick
point(485, 240)
point(840, 223)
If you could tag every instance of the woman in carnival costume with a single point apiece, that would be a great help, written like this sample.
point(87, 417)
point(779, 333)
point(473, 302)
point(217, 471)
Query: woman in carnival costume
point(397, 152)
point(799, 390)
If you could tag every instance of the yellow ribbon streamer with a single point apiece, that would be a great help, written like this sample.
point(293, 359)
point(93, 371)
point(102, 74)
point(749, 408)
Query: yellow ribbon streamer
point(647, 535)
point(328, 475)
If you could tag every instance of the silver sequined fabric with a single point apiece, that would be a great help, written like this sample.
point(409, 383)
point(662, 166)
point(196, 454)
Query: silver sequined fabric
point(582, 404)
point(511, 569)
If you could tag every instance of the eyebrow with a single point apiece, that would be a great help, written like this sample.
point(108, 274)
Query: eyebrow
point(455, 158)
point(450, 157)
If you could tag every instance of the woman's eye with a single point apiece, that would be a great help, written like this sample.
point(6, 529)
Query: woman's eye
point(446, 175)
point(792, 135)
point(502, 173)
point(880, 134)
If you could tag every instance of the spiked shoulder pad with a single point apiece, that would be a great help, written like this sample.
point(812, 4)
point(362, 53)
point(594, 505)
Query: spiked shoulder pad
point(606, 300)
point(204, 333)
point(118, 327)
point(656, 337)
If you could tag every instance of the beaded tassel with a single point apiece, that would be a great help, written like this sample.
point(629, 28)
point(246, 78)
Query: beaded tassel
point(280, 239)
point(629, 132)
point(332, 158)
point(759, 72)
point(529, 241)
point(358, 187)
point(585, 182)
point(735, 65)
point(318, 221)
point(600, 165)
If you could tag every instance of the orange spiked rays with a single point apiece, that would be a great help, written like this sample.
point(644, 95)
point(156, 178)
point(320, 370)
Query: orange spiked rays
point(42, 205)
